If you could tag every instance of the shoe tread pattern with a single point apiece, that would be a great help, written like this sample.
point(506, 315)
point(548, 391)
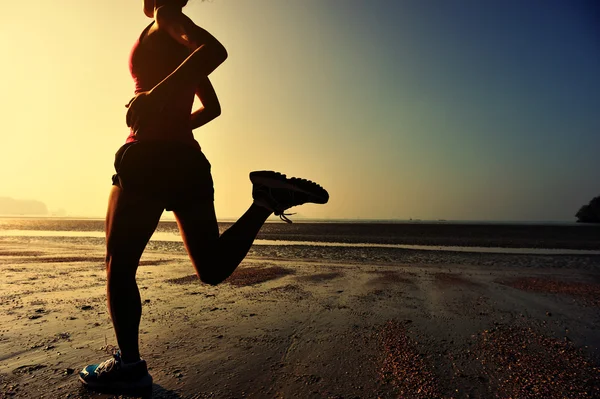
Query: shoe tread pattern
point(318, 194)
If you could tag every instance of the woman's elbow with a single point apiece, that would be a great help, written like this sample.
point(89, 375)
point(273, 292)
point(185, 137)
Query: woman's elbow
point(211, 113)
point(212, 109)
point(221, 54)
point(216, 56)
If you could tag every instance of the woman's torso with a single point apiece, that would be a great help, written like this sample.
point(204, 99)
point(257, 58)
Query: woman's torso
point(153, 57)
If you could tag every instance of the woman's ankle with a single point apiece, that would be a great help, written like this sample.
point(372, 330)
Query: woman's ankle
point(128, 358)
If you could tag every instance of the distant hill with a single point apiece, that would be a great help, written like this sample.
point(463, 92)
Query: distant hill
point(11, 206)
point(589, 213)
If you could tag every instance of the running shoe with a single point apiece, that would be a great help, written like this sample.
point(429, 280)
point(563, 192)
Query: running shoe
point(277, 193)
point(113, 375)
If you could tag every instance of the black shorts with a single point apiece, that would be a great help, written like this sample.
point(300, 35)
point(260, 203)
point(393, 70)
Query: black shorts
point(171, 172)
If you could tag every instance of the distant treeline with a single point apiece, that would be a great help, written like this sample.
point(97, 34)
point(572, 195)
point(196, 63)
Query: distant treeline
point(11, 206)
point(589, 213)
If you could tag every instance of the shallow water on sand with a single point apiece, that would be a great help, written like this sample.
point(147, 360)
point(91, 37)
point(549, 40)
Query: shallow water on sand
point(175, 237)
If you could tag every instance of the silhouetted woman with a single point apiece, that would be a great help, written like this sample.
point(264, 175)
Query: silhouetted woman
point(162, 167)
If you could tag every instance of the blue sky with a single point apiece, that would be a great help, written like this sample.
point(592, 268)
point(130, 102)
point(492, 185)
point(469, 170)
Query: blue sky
point(472, 110)
point(495, 103)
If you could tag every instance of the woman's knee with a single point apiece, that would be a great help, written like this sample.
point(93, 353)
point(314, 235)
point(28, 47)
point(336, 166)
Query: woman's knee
point(210, 279)
point(121, 267)
point(205, 270)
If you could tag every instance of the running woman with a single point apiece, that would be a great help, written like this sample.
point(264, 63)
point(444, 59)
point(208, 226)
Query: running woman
point(161, 166)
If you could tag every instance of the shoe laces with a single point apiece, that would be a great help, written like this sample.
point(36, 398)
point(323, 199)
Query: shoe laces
point(108, 365)
point(275, 206)
point(284, 216)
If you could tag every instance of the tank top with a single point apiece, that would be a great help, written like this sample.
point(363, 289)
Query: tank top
point(151, 61)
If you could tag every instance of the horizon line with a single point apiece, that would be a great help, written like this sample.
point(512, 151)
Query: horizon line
point(310, 219)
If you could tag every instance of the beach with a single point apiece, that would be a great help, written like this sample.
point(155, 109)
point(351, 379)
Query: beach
point(368, 320)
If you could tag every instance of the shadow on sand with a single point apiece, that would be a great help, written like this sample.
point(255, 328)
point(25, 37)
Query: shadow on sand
point(157, 392)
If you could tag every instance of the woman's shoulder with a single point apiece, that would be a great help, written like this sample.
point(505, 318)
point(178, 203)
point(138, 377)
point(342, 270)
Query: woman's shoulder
point(158, 36)
point(179, 26)
point(168, 18)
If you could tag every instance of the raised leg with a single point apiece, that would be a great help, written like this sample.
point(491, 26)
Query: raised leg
point(214, 257)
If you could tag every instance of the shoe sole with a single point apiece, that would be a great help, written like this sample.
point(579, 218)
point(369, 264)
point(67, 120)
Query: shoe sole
point(315, 192)
point(141, 387)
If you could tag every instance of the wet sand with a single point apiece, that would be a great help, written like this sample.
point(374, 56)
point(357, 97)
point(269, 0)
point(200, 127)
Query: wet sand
point(565, 236)
point(309, 322)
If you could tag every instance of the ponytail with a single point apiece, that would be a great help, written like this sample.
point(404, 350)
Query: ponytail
point(180, 3)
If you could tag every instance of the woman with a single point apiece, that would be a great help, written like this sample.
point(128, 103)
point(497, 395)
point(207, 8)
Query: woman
point(162, 167)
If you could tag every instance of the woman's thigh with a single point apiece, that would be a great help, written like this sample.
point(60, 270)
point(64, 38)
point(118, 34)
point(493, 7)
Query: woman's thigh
point(130, 222)
point(199, 230)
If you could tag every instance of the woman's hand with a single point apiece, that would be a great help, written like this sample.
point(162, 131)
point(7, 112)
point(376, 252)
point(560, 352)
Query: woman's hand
point(143, 110)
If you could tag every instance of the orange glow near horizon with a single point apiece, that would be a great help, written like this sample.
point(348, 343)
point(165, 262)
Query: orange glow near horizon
point(395, 117)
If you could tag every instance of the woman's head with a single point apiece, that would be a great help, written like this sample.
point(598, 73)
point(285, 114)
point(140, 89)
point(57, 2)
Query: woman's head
point(151, 5)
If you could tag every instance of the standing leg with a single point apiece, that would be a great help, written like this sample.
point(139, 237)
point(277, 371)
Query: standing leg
point(130, 222)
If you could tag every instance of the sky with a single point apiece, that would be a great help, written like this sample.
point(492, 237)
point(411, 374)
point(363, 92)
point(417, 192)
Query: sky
point(457, 110)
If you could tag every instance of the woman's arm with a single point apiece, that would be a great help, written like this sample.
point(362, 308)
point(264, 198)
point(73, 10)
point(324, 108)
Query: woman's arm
point(182, 29)
point(208, 53)
point(211, 108)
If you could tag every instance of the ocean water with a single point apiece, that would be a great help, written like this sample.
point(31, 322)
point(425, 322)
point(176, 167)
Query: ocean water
point(502, 238)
